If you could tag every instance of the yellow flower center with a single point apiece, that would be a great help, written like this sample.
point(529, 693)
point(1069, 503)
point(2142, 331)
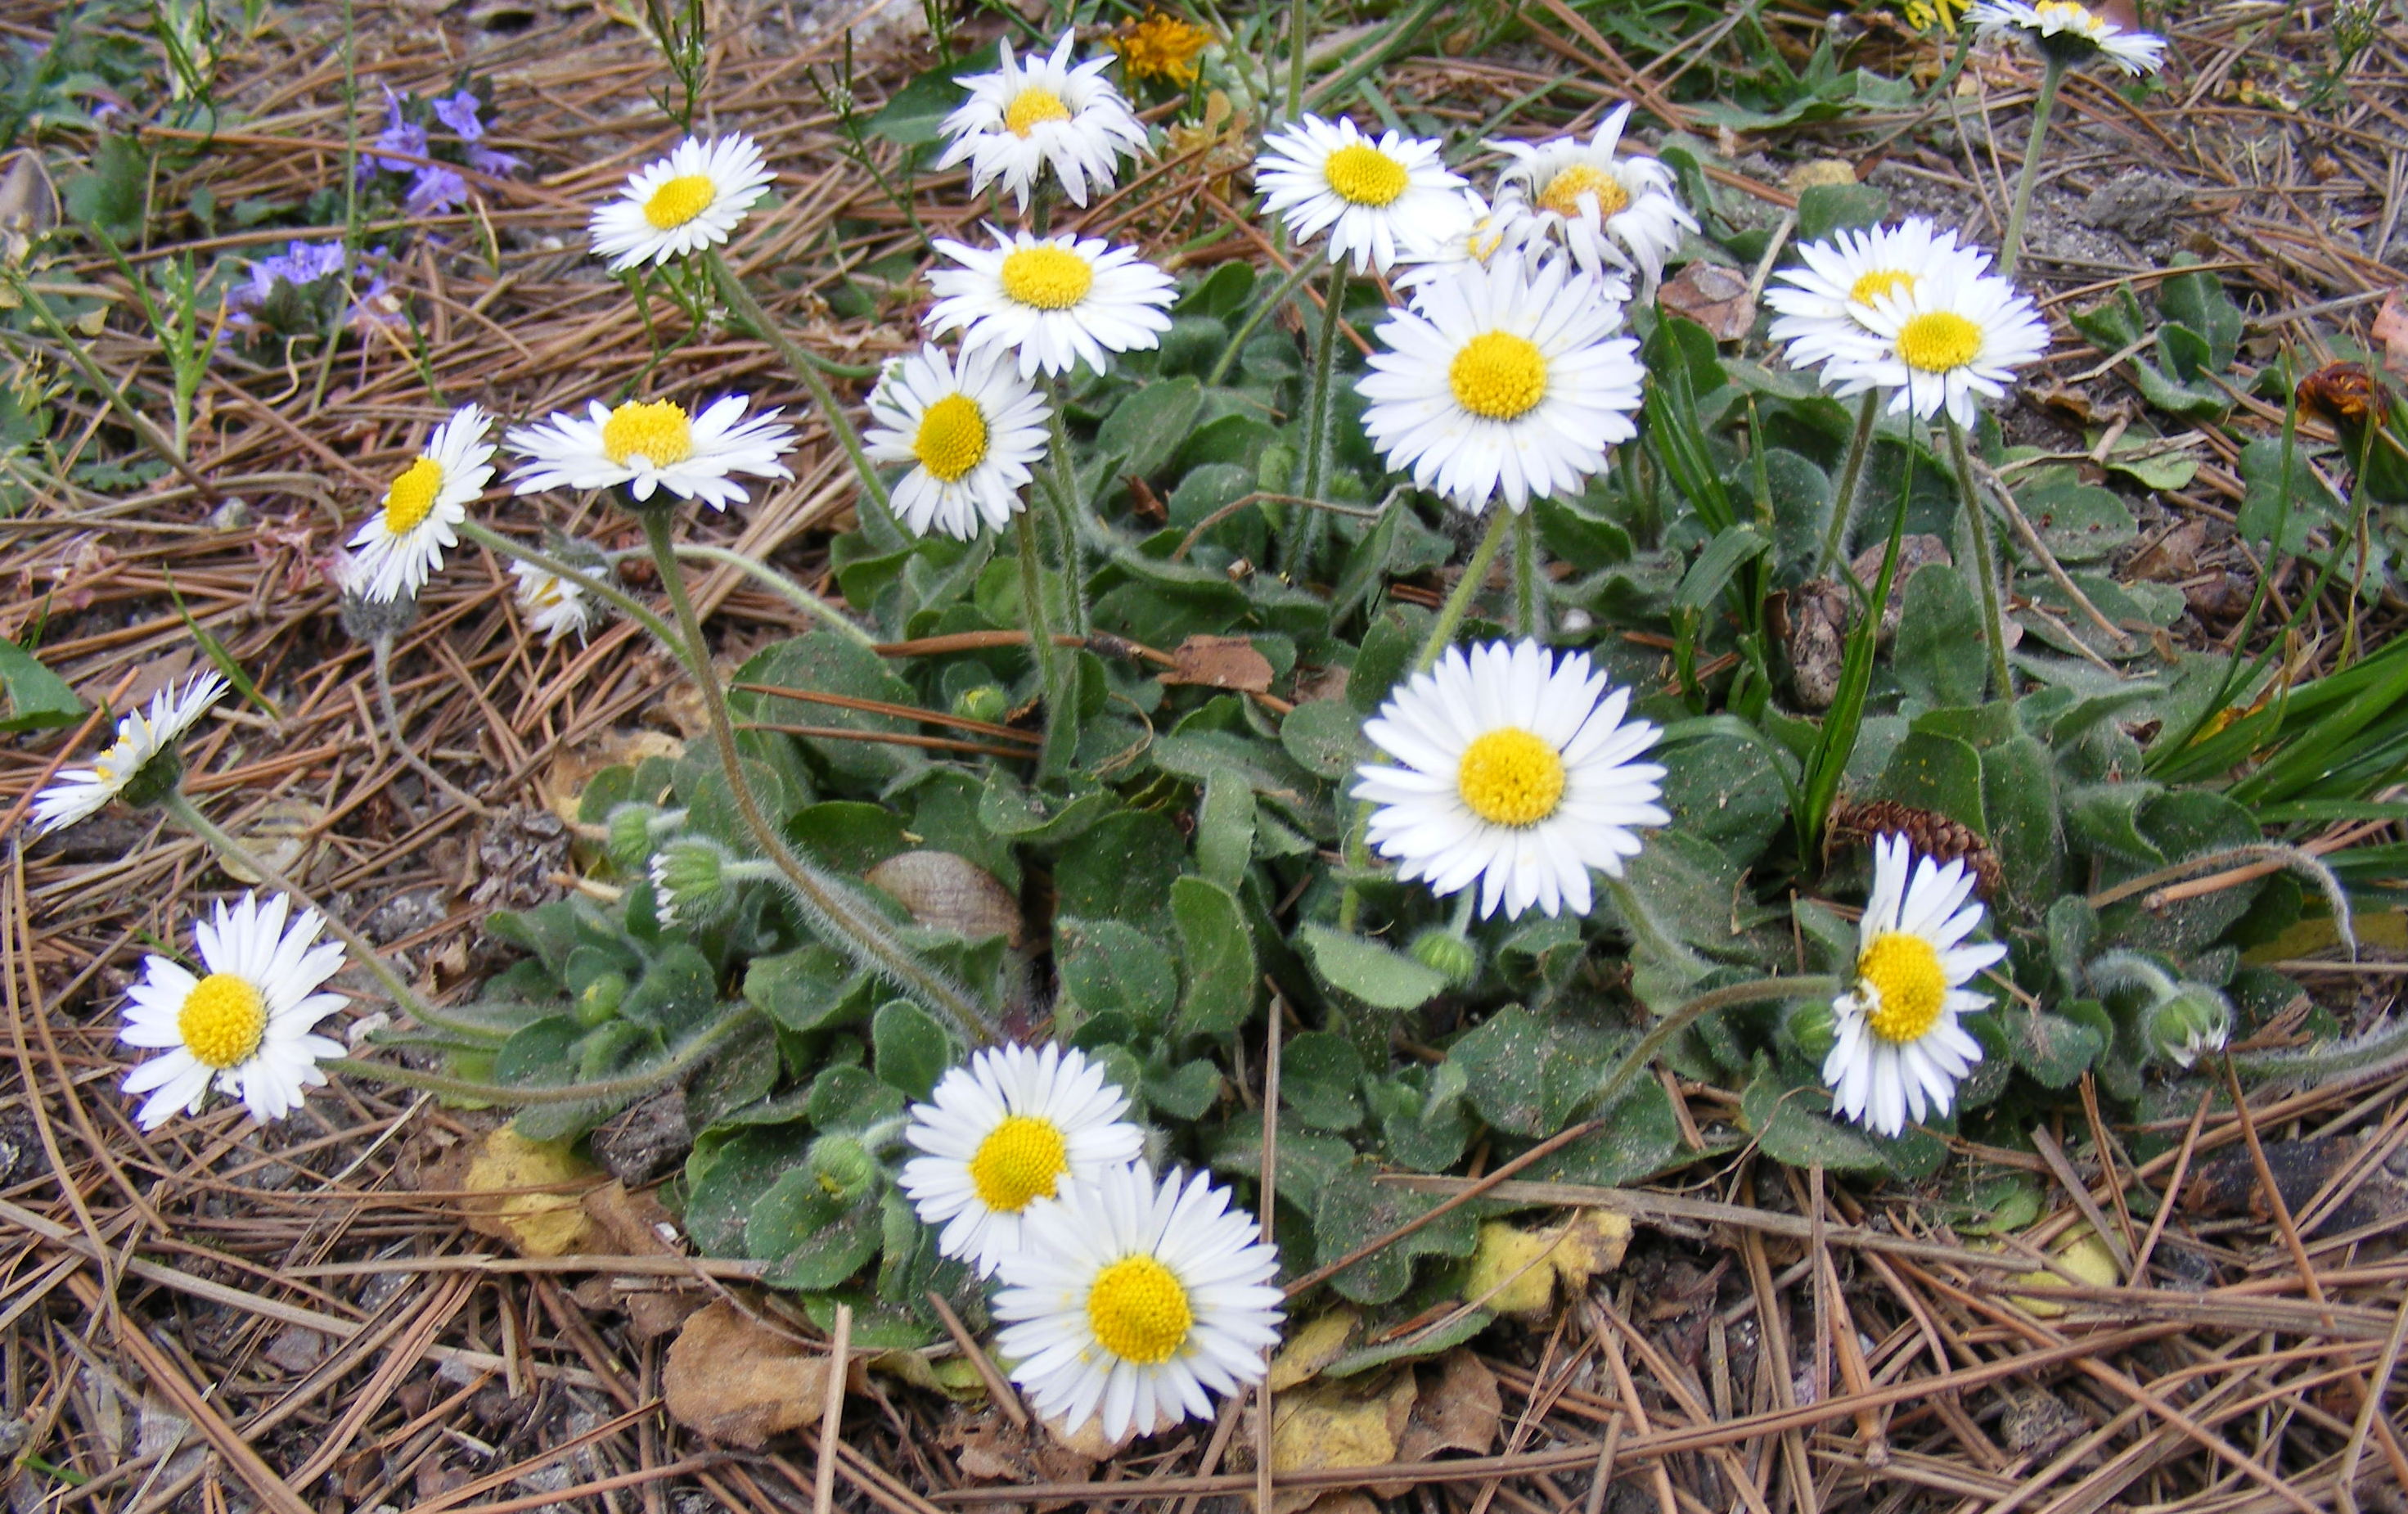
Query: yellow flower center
point(1031, 106)
point(952, 439)
point(679, 201)
point(1498, 375)
point(1871, 286)
point(1908, 986)
point(1138, 1311)
point(1047, 277)
point(412, 495)
point(2063, 12)
point(222, 1020)
point(1510, 777)
point(1938, 341)
point(1361, 174)
point(656, 430)
point(1563, 192)
point(1018, 1162)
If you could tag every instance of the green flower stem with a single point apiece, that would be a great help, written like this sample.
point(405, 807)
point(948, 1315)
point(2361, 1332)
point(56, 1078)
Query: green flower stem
point(1467, 588)
point(1634, 1061)
point(1300, 34)
point(866, 939)
point(1070, 512)
point(806, 367)
point(1645, 931)
point(485, 536)
point(1994, 620)
point(1851, 474)
point(1304, 539)
point(381, 665)
point(1052, 662)
point(689, 1054)
point(1255, 317)
point(786, 589)
point(2011, 245)
point(1525, 576)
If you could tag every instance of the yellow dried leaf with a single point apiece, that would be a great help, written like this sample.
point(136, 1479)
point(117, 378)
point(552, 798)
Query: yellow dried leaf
point(1817, 172)
point(1312, 1347)
point(1347, 1423)
point(1512, 1272)
point(1595, 1243)
point(2081, 1253)
point(733, 1380)
point(540, 1223)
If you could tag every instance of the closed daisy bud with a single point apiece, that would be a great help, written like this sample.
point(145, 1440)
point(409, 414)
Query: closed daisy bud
point(1448, 955)
point(631, 828)
point(841, 1166)
point(2196, 1021)
point(690, 882)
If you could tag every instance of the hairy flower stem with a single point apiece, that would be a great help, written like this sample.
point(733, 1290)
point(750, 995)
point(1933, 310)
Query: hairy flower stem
point(1264, 310)
point(1052, 662)
point(611, 592)
point(381, 665)
point(806, 367)
point(688, 1055)
point(1993, 622)
point(1300, 34)
point(1527, 596)
point(784, 587)
point(1851, 474)
point(2011, 245)
point(1634, 1061)
point(1070, 511)
point(864, 937)
point(1303, 539)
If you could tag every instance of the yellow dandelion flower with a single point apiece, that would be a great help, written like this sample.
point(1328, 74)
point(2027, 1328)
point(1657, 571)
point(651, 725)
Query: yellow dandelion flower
point(1160, 46)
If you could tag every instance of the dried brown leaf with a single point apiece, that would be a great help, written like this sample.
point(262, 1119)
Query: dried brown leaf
point(951, 893)
point(1220, 662)
point(1714, 296)
point(732, 1379)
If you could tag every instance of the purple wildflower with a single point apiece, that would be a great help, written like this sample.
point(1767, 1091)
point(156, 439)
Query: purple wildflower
point(436, 190)
point(400, 135)
point(496, 165)
point(460, 113)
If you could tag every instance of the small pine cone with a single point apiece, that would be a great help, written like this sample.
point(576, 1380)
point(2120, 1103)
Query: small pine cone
point(1929, 832)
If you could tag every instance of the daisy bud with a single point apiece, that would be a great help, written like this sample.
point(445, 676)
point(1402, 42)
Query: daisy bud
point(1813, 1027)
point(689, 881)
point(2196, 1020)
point(987, 703)
point(599, 1004)
point(843, 1165)
point(1448, 955)
point(631, 836)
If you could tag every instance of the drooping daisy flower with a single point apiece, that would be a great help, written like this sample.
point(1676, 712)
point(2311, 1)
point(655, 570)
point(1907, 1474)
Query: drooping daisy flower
point(1137, 1300)
point(1605, 210)
point(1061, 300)
point(1900, 1051)
point(1518, 772)
point(1940, 342)
point(1026, 116)
point(1377, 198)
point(404, 541)
point(1816, 303)
point(970, 432)
point(1004, 1131)
point(142, 764)
point(553, 606)
point(1503, 382)
point(693, 198)
point(649, 444)
point(244, 1027)
point(2065, 32)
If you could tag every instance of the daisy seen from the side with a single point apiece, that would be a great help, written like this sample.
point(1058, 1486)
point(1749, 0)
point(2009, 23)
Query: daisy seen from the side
point(140, 765)
point(969, 430)
point(693, 198)
point(1137, 1299)
point(1039, 112)
point(244, 1027)
point(1005, 1131)
point(1943, 343)
point(1900, 1052)
point(645, 445)
point(1059, 301)
point(1480, 235)
point(396, 548)
point(2065, 32)
point(1517, 770)
point(1377, 197)
point(553, 606)
point(1818, 303)
point(1605, 210)
point(1503, 383)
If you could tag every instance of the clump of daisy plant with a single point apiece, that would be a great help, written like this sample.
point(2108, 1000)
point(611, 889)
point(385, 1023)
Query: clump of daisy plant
point(141, 766)
point(1899, 1051)
point(691, 199)
point(2066, 35)
point(246, 1026)
point(1134, 1300)
point(1038, 113)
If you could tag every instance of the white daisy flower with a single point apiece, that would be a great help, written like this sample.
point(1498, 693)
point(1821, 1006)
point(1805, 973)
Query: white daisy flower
point(404, 541)
point(1503, 382)
point(1816, 304)
point(1377, 198)
point(553, 606)
point(969, 430)
point(1949, 336)
point(1519, 773)
point(693, 198)
point(1605, 209)
point(2068, 33)
point(245, 1026)
point(1137, 1300)
point(80, 793)
point(1479, 236)
point(1004, 1131)
point(649, 444)
point(1900, 1051)
point(1061, 300)
point(1026, 116)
